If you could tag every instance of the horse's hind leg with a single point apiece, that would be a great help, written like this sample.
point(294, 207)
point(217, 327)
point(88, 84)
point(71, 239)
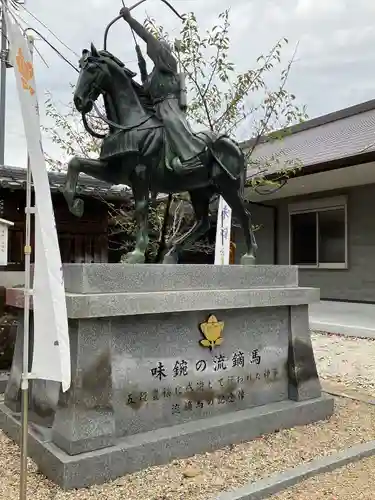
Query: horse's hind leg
point(200, 200)
point(93, 168)
point(228, 188)
point(140, 185)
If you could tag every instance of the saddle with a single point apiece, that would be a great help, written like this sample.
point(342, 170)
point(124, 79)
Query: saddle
point(174, 164)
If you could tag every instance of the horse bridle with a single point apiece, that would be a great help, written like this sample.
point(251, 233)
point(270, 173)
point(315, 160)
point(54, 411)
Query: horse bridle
point(98, 88)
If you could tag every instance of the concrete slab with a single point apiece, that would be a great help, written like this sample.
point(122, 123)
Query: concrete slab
point(341, 391)
point(276, 483)
point(343, 318)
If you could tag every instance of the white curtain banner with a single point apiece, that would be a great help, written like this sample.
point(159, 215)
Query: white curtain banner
point(223, 229)
point(51, 353)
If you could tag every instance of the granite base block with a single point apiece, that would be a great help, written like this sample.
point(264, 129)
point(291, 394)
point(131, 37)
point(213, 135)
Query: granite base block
point(149, 278)
point(168, 362)
point(160, 446)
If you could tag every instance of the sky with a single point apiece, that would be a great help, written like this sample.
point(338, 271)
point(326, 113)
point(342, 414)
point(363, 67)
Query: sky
point(334, 67)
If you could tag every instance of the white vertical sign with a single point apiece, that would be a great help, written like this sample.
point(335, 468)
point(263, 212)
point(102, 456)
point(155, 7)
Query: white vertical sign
point(223, 229)
point(51, 356)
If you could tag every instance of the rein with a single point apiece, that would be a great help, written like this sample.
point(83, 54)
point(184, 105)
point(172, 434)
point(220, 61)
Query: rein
point(112, 124)
point(89, 129)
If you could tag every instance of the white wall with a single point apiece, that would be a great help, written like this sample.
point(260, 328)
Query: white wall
point(12, 278)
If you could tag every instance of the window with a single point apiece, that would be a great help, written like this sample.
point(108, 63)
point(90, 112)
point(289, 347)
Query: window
point(318, 234)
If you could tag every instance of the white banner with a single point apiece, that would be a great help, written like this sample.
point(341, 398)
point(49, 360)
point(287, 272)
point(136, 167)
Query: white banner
point(223, 229)
point(51, 354)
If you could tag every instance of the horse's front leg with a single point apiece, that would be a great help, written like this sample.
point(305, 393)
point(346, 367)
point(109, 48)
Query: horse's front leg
point(77, 165)
point(140, 187)
point(200, 199)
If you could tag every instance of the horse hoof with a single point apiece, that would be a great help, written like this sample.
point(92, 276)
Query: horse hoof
point(78, 207)
point(170, 259)
point(248, 260)
point(133, 258)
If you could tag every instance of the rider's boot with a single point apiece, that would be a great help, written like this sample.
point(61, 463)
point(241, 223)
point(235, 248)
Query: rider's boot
point(190, 165)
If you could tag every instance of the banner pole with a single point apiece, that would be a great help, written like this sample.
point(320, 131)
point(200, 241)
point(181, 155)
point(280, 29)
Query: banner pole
point(26, 327)
point(3, 77)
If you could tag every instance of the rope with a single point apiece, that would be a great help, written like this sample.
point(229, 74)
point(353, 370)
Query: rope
point(135, 40)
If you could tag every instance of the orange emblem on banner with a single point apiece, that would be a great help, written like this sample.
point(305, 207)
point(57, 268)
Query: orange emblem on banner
point(26, 71)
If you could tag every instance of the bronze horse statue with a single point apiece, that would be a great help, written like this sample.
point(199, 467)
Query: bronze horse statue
point(134, 153)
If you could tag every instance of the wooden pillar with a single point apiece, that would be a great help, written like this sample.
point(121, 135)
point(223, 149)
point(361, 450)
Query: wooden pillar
point(232, 253)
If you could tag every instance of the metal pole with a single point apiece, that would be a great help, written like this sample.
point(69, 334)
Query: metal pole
point(26, 328)
point(3, 57)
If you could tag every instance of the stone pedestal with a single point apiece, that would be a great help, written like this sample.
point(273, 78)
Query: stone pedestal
point(169, 361)
point(4, 377)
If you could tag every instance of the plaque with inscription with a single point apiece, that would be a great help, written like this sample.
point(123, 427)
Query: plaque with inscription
point(162, 375)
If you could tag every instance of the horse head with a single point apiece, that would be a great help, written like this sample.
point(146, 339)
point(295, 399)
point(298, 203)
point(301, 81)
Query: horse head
point(97, 72)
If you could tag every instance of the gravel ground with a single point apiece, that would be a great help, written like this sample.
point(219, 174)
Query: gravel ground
point(355, 481)
point(347, 361)
point(203, 476)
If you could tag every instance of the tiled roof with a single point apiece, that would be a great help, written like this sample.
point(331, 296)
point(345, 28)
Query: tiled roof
point(336, 136)
point(15, 178)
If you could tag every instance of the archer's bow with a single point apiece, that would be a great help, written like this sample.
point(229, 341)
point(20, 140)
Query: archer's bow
point(173, 9)
point(131, 8)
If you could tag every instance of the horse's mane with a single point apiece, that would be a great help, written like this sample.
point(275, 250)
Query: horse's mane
point(138, 88)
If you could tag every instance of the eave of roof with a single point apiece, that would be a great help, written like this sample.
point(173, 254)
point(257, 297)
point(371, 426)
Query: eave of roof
point(342, 135)
point(15, 178)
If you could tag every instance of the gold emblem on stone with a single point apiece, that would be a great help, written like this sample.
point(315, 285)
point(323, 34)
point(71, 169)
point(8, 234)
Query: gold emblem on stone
point(212, 331)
